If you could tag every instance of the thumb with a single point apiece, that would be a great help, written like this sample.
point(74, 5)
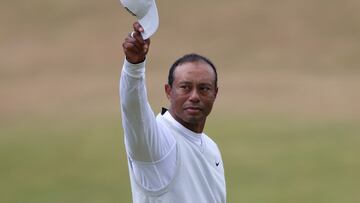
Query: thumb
point(147, 41)
point(146, 45)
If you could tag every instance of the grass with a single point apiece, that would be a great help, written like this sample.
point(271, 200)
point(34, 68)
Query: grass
point(265, 161)
point(52, 164)
point(291, 161)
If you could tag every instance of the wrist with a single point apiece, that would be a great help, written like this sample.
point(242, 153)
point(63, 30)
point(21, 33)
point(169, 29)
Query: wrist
point(135, 61)
point(132, 65)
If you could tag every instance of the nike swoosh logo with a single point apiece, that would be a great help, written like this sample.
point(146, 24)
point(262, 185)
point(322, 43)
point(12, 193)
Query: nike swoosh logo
point(217, 163)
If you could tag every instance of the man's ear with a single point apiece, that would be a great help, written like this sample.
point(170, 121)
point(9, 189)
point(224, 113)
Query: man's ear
point(167, 90)
point(216, 91)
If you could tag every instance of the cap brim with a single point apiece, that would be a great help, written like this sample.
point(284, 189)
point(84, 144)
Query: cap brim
point(150, 22)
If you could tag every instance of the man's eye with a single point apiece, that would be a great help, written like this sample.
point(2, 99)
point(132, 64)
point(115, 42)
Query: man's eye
point(205, 89)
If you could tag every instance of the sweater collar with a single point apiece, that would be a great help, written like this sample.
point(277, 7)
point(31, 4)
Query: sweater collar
point(188, 134)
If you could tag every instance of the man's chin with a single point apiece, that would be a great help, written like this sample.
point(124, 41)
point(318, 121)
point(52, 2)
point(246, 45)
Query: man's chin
point(195, 119)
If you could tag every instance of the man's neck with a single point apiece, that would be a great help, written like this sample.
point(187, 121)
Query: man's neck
point(197, 127)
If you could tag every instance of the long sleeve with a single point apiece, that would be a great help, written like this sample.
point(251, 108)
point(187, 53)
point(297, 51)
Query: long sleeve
point(144, 140)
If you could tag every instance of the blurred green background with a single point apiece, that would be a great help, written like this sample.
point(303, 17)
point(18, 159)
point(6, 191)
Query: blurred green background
point(287, 117)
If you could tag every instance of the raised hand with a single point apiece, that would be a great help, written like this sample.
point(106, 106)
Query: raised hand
point(135, 47)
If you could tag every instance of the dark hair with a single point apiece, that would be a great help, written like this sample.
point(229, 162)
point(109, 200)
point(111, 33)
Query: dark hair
point(187, 59)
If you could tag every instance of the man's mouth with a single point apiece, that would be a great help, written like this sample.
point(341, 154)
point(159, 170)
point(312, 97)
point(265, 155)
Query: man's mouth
point(193, 109)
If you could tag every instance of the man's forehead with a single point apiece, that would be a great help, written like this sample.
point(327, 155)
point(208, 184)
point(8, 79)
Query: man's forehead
point(196, 66)
point(200, 73)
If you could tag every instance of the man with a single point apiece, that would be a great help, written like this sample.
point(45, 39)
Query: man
point(170, 159)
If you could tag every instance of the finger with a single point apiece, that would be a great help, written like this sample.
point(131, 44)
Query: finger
point(138, 27)
point(137, 35)
point(139, 42)
point(130, 47)
point(135, 42)
point(147, 42)
point(146, 45)
point(132, 54)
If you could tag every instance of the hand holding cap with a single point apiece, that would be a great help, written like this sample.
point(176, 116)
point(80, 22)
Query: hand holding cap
point(135, 47)
point(147, 14)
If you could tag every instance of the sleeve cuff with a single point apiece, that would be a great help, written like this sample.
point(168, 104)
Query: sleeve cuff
point(134, 70)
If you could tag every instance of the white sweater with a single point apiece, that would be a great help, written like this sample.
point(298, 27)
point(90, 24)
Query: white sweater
point(167, 162)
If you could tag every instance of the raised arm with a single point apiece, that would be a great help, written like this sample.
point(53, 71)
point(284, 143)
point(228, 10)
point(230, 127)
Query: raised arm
point(144, 140)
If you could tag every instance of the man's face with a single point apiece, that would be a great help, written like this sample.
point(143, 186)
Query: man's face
point(192, 94)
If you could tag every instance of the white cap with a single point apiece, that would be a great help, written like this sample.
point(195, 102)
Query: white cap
point(146, 13)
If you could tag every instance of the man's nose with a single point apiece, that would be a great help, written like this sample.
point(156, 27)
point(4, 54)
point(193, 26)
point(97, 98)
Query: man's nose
point(194, 96)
